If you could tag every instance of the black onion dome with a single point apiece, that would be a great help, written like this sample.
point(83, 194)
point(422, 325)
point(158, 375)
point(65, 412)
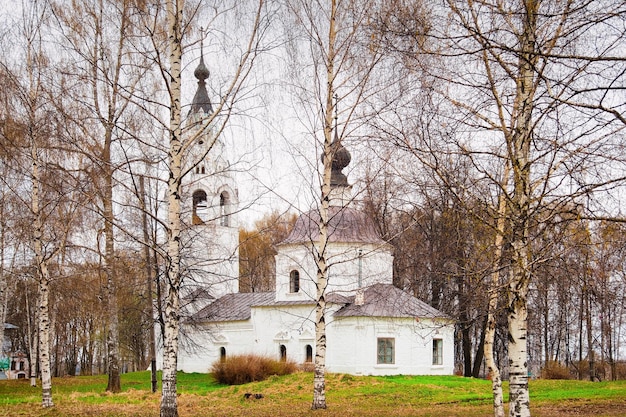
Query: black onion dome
point(346, 224)
point(340, 159)
point(201, 100)
point(201, 72)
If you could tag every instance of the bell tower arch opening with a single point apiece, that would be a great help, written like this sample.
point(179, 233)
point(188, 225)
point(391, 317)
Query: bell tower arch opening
point(225, 208)
point(199, 213)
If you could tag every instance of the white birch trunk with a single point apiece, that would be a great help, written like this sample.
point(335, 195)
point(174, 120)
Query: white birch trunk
point(519, 398)
point(32, 347)
point(149, 275)
point(519, 148)
point(169, 407)
point(319, 379)
point(114, 384)
point(494, 289)
point(3, 283)
point(44, 282)
point(43, 275)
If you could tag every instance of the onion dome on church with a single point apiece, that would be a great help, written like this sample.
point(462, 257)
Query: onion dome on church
point(201, 102)
point(340, 159)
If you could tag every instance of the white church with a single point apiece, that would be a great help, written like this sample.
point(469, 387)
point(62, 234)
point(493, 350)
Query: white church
point(373, 327)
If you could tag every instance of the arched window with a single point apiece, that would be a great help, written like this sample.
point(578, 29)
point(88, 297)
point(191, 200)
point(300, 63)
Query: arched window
point(309, 353)
point(224, 209)
point(202, 170)
point(283, 353)
point(222, 354)
point(294, 281)
point(199, 207)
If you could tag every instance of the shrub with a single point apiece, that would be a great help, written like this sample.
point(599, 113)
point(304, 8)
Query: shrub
point(555, 370)
point(241, 369)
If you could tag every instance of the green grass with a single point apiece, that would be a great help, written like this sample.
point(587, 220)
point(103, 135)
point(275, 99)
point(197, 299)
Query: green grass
point(559, 390)
point(291, 395)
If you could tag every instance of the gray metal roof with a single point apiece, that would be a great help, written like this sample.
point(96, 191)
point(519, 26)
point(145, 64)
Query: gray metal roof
point(380, 300)
point(346, 224)
point(233, 307)
point(387, 300)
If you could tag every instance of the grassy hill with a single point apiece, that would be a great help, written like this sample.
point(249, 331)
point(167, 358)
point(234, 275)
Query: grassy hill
point(291, 396)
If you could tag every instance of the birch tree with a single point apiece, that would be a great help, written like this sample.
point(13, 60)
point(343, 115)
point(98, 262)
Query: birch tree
point(333, 82)
point(178, 26)
point(533, 86)
point(319, 376)
point(4, 248)
point(494, 291)
point(4, 287)
point(169, 405)
point(45, 187)
point(33, 103)
point(14, 219)
point(104, 74)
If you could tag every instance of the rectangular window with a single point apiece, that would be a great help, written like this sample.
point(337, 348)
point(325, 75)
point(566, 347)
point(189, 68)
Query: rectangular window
point(437, 352)
point(386, 349)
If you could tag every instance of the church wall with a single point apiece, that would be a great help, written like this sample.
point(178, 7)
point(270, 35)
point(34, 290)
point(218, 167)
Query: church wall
point(210, 253)
point(353, 344)
point(290, 326)
point(200, 347)
point(374, 261)
point(375, 265)
point(267, 329)
point(297, 257)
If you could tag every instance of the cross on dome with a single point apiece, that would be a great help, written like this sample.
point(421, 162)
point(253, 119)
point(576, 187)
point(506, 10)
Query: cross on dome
point(201, 101)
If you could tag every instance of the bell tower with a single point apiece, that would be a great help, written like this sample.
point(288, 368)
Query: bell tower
point(210, 201)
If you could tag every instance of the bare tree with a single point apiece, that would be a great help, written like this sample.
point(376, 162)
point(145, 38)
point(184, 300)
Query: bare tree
point(494, 291)
point(45, 188)
point(338, 66)
point(33, 103)
point(178, 167)
point(104, 74)
point(514, 78)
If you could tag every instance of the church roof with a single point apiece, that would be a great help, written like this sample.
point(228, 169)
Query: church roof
point(237, 306)
point(379, 300)
point(387, 300)
point(346, 224)
point(232, 307)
